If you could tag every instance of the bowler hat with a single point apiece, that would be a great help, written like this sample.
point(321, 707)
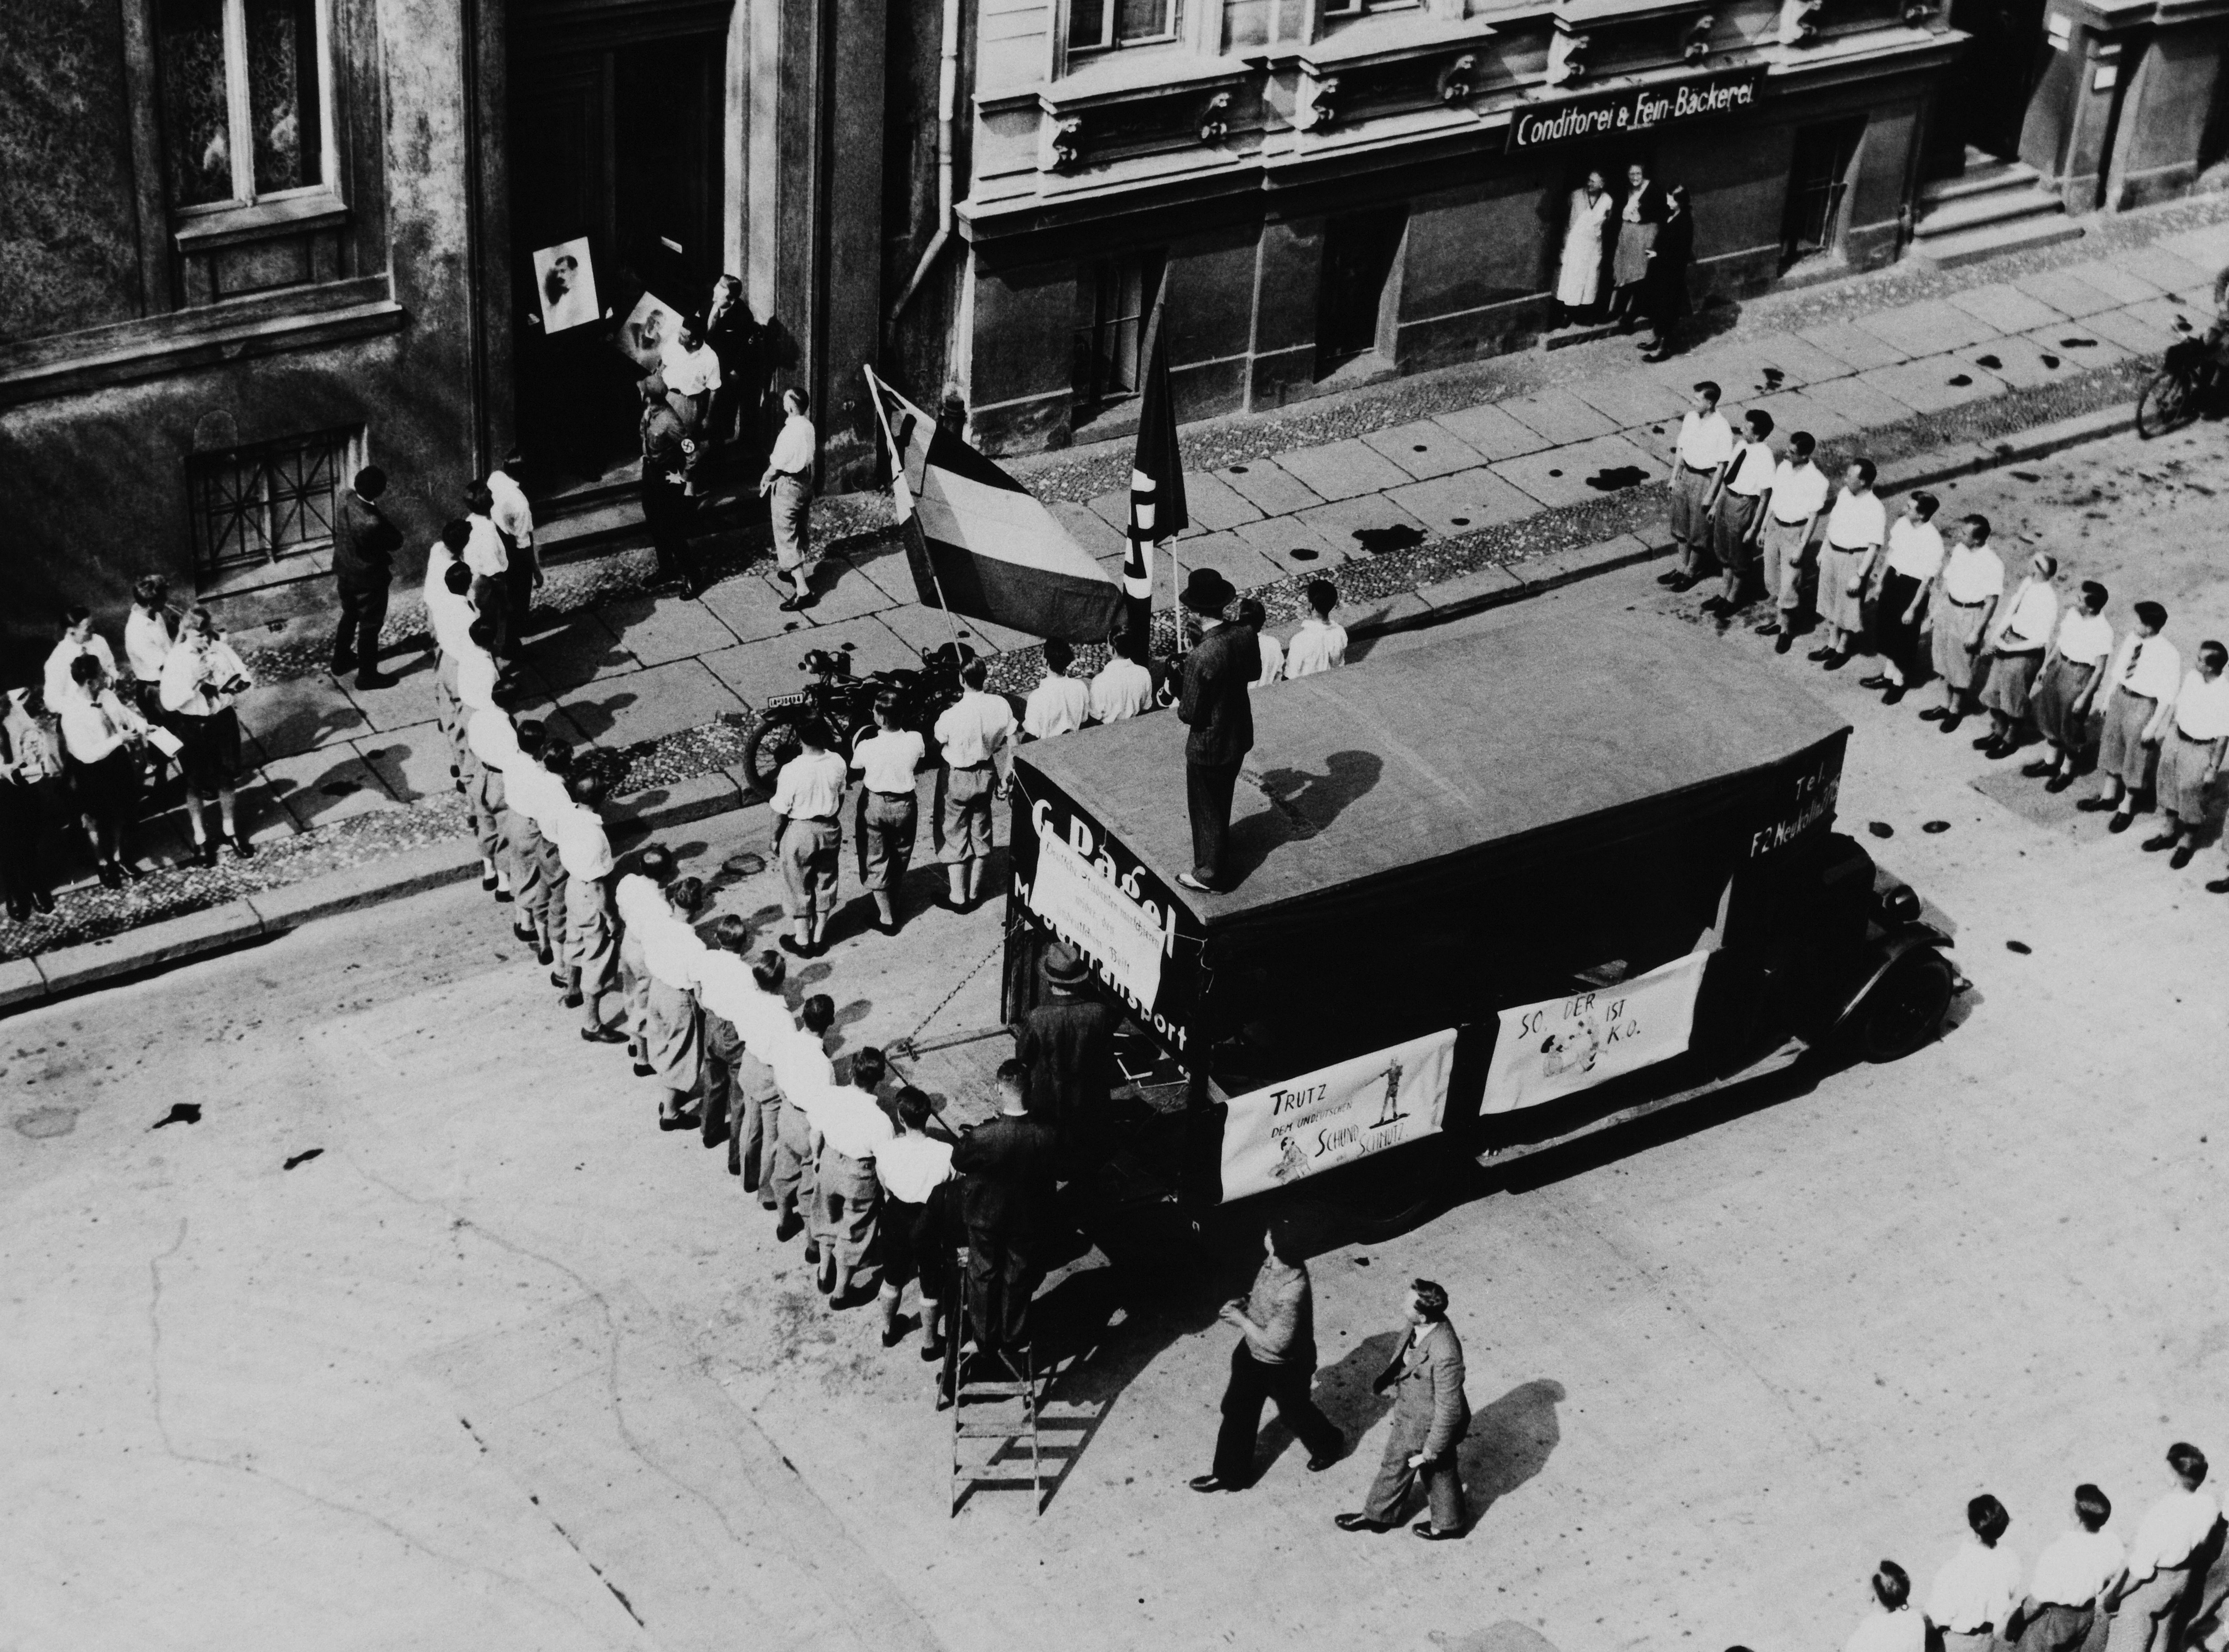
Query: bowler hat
point(1207, 592)
point(1063, 968)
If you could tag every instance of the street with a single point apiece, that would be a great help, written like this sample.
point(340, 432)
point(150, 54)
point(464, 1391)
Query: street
point(421, 1334)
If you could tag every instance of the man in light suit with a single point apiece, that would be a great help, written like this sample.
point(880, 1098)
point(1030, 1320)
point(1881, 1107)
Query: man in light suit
point(1430, 1417)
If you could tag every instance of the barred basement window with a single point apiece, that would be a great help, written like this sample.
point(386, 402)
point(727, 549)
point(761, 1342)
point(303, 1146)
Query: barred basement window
point(254, 506)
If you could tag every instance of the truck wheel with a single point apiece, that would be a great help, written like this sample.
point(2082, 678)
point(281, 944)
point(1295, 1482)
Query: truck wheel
point(772, 743)
point(1905, 1010)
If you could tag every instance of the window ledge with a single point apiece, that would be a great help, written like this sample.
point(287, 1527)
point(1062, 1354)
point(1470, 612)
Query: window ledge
point(205, 232)
point(1116, 77)
point(298, 319)
point(263, 576)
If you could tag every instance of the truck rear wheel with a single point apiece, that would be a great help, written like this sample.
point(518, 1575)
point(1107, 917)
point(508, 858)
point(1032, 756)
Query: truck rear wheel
point(1906, 1009)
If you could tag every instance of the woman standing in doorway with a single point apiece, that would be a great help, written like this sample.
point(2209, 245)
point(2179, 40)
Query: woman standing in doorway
point(1579, 272)
point(1664, 291)
point(1637, 219)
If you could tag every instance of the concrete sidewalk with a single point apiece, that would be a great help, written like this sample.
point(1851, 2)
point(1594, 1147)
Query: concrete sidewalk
point(1409, 517)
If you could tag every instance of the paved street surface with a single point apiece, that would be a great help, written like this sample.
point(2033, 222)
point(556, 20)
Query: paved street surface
point(503, 1366)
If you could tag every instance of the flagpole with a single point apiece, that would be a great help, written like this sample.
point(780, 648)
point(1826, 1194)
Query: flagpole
point(913, 520)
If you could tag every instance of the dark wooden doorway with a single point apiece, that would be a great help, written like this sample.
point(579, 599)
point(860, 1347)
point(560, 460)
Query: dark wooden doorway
point(617, 114)
point(1985, 99)
point(1359, 253)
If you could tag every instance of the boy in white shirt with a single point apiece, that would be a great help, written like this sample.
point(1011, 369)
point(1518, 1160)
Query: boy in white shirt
point(887, 814)
point(1319, 645)
point(1788, 519)
point(1058, 704)
point(1124, 687)
point(1700, 454)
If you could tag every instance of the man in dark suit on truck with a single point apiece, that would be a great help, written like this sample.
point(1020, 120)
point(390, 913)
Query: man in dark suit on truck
point(1217, 706)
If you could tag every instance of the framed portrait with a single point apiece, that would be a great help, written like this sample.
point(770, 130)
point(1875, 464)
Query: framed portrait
point(643, 336)
point(565, 286)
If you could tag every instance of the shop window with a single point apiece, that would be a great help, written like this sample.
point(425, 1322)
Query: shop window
point(1826, 158)
point(1358, 297)
point(245, 96)
point(1114, 298)
point(254, 506)
point(1101, 25)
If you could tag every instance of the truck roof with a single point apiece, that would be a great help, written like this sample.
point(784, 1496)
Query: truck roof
point(1420, 753)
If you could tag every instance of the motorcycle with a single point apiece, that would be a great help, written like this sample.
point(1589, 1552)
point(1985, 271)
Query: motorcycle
point(846, 705)
point(2188, 383)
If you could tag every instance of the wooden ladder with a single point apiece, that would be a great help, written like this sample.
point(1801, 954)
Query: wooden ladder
point(983, 1381)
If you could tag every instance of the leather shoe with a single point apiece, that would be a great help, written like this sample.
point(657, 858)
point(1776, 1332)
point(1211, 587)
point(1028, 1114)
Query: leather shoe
point(1360, 1523)
point(1769, 628)
point(1892, 694)
point(1987, 741)
point(1876, 680)
point(1432, 1533)
point(1819, 656)
point(601, 1035)
point(1933, 714)
point(1208, 1482)
point(1190, 882)
point(2038, 769)
point(1950, 722)
point(2094, 805)
point(1318, 1464)
point(1680, 582)
point(2218, 886)
point(374, 680)
point(1672, 578)
point(2120, 822)
point(2182, 856)
point(2164, 840)
point(1835, 662)
point(791, 945)
point(1783, 642)
point(2059, 783)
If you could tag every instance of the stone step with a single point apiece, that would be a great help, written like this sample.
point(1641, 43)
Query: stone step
point(1996, 175)
point(1996, 206)
point(1987, 241)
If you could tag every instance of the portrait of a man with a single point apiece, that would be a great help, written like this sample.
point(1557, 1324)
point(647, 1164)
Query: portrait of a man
point(565, 283)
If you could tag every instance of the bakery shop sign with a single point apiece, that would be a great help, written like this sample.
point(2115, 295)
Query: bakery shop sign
point(1642, 109)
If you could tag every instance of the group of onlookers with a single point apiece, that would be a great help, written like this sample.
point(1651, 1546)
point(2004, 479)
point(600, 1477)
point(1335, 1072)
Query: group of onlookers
point(1927, 602)
point(1625, 258)
point(2152, 1595)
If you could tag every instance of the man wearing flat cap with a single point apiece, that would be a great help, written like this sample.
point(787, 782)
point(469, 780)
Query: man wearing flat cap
point(1068, 1043)
point(1215, 704)
point(668, 454)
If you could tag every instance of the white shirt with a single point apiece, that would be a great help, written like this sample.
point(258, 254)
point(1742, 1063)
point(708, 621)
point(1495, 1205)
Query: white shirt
point(2025, 624)
point(439, 561)
point(2171, 1529)
point(2202, 708)
point(811, 787)
point(689, 372)
point(189, 667)
point(1798, 492)
point(147, 643)
point(1057, 706)
point(483, 551)
point(911, 1166)
point(973, 727)
point(532, 790)
point(2084, 638)
point(851, 1122)
point(582, 847)
point(1972, 575)
point(1706, 440)
point(476, 676)
point(2157, 666)
point(1903, 1630)
point(889, 759)
point(61, 688)
point(512, 512)
point(635, 897)
point(1122, 689)
point(2075, 1567)
point(1858, 522)
point(794, 447)
point(670, 949)
point(1752, 470)
point(492, 740)
point(1976, 1586)
point(1317, 647)
point(450, 618)
point(1915, 549)
point(724, 985)
point(93, 728)
point(1273, 659)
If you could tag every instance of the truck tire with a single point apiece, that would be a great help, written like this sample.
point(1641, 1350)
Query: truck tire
point(772, 743)
point(1906, 1009)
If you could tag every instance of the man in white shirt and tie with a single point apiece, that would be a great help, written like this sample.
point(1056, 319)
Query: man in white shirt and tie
point(788, 487)
point(1789, 514)
point(2070, 1576)
point(2067, 687)
point(490, 562)
point(1059, 704)
point(1856, 529)
point(1959, 610)
point(808, 836)
point(2145, 673)
point(883, 830)
point(690, 368)
point(1979, 1587)
point(1123, 687)
point(1909, 566)
point(2022, 635)
point(1700, 454)
point(1737, 515)
point(2168, 1541)
point(1319, 645)
point(2191, 735)
point(977, 734)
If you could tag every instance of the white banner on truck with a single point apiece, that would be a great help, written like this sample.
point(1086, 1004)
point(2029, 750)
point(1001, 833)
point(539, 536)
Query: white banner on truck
point(1336, 1115)
point(1089, 912)
point(1565, 1044)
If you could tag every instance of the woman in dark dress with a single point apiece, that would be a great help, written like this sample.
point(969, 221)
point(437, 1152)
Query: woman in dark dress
point(1664, 294)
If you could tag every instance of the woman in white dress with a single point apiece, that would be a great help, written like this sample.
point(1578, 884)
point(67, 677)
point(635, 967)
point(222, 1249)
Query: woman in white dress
point(1578, 275)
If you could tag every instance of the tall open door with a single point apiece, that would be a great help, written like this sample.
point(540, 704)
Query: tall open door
point(617, 117)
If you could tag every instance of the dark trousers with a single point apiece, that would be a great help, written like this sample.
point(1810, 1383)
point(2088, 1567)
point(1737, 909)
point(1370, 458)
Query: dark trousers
point(517, 600)
point(26, 811)
point(1001, 1279)
point(666, 511)
point(355, 641)
point(1251, 1383)
point(1892, 636)
point(1208, 789)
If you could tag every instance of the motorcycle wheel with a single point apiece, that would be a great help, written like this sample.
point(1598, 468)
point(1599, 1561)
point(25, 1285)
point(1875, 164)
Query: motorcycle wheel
point(772, 743)
point(2169, 403)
